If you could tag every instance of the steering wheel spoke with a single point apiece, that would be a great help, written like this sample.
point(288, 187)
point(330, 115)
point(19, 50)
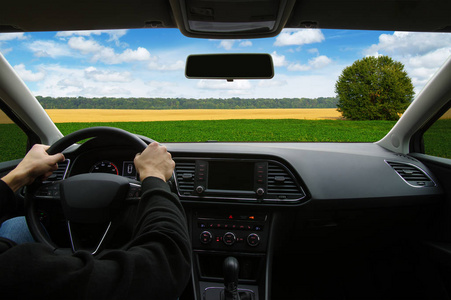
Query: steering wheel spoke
point(93, 243)
point(48, 191)
point(134, 193)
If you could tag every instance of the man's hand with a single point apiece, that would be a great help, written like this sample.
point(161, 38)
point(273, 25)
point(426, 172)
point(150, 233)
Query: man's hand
point(35, 164)
point(154, 161)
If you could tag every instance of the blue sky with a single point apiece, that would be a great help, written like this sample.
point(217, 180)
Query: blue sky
point(150, 62)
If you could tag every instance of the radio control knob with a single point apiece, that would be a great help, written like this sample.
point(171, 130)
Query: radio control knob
point(200, 189)
point(253, 240)
point(229, 238)
point(205, 237)
point(260, 191)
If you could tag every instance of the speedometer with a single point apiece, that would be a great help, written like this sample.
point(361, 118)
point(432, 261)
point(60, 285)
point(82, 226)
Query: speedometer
point(104, 166)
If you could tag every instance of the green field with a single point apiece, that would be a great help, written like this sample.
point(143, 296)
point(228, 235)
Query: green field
point(250, 130)
point(437, 140)
point(12, 144)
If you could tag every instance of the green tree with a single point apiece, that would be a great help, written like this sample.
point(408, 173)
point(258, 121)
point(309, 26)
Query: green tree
point(374, 88)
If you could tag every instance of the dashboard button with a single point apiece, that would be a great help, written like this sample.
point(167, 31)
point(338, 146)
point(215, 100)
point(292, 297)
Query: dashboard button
point(229, 238)
point(260, 191)
point(205, 237)
point(253, 240)
point(200, 189)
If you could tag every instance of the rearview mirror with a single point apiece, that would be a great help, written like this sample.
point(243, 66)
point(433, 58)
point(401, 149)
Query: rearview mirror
point(229, 66)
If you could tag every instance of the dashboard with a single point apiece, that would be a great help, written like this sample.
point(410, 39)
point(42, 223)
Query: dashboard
point(262, 202)
point(277, 173)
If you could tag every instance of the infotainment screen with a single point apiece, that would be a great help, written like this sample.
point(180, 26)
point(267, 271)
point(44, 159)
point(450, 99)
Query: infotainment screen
point(228, 175)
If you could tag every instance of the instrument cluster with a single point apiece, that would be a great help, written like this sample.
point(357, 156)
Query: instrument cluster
point(111, 161)
point(127, 169)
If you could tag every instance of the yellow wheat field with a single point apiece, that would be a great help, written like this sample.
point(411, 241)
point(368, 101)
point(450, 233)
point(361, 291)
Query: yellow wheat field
point(125, 115)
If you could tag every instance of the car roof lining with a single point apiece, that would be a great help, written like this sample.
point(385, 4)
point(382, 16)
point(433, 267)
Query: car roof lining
point(52, 15)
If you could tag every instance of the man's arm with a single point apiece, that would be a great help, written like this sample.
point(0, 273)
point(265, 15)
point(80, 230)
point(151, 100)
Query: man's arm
point(155, 264)
point(37, 163)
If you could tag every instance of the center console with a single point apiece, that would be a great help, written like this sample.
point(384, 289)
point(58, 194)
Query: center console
point(226, 199)
point(239, 234)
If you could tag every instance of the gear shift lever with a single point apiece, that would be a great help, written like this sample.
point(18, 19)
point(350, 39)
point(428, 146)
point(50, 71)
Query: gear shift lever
point(231, 269)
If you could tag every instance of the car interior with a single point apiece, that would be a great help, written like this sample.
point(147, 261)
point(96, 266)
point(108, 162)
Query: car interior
point(284, 220)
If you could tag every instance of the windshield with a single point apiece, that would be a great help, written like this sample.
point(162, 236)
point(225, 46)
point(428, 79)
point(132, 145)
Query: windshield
point(134, 79)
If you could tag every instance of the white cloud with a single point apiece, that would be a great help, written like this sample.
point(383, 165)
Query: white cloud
point(28, 75)
point(272, 83)
point(224, 85)
point(129, 55)
point(160, 84)
point(62, 81)
point(278, 60)
point(114, 35)
point(313, 51)
point(91, 82)
point(431, 59)
point(107, 76)
point(408, 43)
point(314, 63)
point(298, 67)
point(84, 46)
point(299, 37)
point(44, 48)
point(319, 62)
point(226, 44)
point(5, 51)
point(78, 32)
point(67, 83)
point(294, 85)
point(155, 64)
point(107, 54)
point(9, 36)
point(245, 44)
point(421, 53)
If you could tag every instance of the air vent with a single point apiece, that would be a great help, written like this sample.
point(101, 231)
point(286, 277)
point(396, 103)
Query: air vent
point(282, 184)
point(60, 174)
point(184, 172)
point(411, 174)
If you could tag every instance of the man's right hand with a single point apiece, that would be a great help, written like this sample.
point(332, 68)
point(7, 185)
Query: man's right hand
point(154, 161)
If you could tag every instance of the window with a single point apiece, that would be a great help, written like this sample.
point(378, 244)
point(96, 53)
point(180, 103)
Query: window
point(437, 139)
point(13, 140)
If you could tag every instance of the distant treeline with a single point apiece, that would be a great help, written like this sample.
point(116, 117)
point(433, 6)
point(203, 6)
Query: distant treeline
point(182, 103)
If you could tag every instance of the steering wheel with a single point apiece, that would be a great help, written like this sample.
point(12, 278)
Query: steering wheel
point(86, 199)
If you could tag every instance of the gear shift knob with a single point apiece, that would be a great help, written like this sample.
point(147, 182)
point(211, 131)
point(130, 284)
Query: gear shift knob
point(231, 269)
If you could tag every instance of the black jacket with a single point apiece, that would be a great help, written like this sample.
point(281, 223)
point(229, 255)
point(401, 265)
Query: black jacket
point(156, 264)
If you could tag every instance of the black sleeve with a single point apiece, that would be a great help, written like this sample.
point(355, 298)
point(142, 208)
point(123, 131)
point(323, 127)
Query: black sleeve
point(7, 201)
point(156, 264)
